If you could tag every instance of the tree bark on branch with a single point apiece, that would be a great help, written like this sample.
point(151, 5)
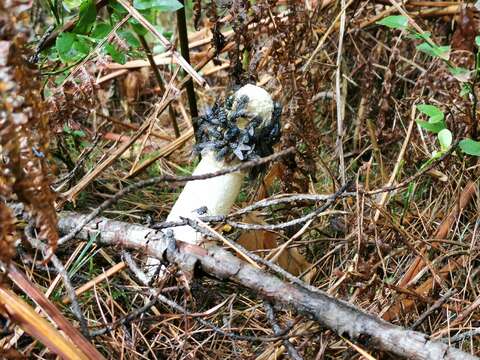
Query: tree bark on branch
point(339, 316)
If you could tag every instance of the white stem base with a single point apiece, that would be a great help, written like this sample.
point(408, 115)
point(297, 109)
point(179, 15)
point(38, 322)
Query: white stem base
point(216, 194)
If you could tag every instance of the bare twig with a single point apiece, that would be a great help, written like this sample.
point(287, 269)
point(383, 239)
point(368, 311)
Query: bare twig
point(181, 309)
point(337, 315)
point(183, 38)
point(168, 178)
point(77, 311)
point(49, 308)
point(292, 352)
point(160, 82)
point(462, 336)
point(168, 46)
point(339, 94)
point(281, 334)
point(294, 222)
point(438, 304)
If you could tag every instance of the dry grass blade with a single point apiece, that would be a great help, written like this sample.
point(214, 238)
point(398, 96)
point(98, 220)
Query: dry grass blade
point(167, 150)
point(72, 193)
point(51, 310)
point(418, 264)
point(102, 277)
point(178, 58)
point(25, 317)
point(360, 350)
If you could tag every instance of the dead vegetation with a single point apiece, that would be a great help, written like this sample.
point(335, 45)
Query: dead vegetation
point(400, 242)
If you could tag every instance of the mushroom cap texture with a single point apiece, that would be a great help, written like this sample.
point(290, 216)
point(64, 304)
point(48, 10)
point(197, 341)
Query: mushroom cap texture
point(259, 102)
point(244, 126)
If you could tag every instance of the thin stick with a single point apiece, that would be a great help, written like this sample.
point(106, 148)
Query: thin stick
point(338, 93)
point(168, 178)
point(325, 36)
point(95, 281)
point(161, 85)
point(394, 174)
point(128, 126)
point(168, 46)
point(36, 326)
point(72, 193)
point(198, 224)
point(29, 233)
point(51, 310)
point(438, 304)
point(292, 352)
point(183, 38)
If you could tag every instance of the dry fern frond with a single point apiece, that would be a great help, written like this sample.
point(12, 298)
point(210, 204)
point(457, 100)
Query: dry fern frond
point(24, 131)
point(7, 249)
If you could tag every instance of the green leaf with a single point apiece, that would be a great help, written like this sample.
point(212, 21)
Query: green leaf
point(101, 30)
point(71, 48)
point(415, 35)
point(64, 43)
point(436, 117)
point(87, 16)
point(445, 139)
point(477, 40)
point(470, 147)
point(162, 5)
point(433, 112)
point(434, 127)
point(394, 22)
point(466, 89)
point(436, 154)
point(116, 7)
point(116, 55)
point(460, 73)
point(67, 129)
point(71, 4)
point(137, 27)
point(130, 38)
point(442, 52)
point(78, 133)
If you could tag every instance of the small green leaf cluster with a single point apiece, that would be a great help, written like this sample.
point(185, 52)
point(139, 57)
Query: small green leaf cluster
point(90, 31)
point(436, 117)
point(74, 139)
point(436, 124)
point(400, 22)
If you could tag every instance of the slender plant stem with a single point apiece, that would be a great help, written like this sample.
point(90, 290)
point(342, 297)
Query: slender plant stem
point(161, 85)
point(183, 37)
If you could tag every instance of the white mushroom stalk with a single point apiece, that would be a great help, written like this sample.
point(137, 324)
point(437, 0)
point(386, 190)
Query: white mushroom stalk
point(245, 127)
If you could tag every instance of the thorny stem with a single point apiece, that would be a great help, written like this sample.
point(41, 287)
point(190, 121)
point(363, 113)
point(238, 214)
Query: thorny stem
point(161, 85)
point(183, 38)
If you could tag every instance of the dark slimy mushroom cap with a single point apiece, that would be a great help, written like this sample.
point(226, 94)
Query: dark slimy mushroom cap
point(244, 127)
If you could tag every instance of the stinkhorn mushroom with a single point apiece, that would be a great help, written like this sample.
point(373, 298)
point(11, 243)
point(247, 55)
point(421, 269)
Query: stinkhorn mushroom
point(245, 127)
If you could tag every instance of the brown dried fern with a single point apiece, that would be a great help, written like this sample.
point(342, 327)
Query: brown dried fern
point(24, 134)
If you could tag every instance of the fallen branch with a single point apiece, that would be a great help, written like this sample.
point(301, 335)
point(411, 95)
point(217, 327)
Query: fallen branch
point(341, 317)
